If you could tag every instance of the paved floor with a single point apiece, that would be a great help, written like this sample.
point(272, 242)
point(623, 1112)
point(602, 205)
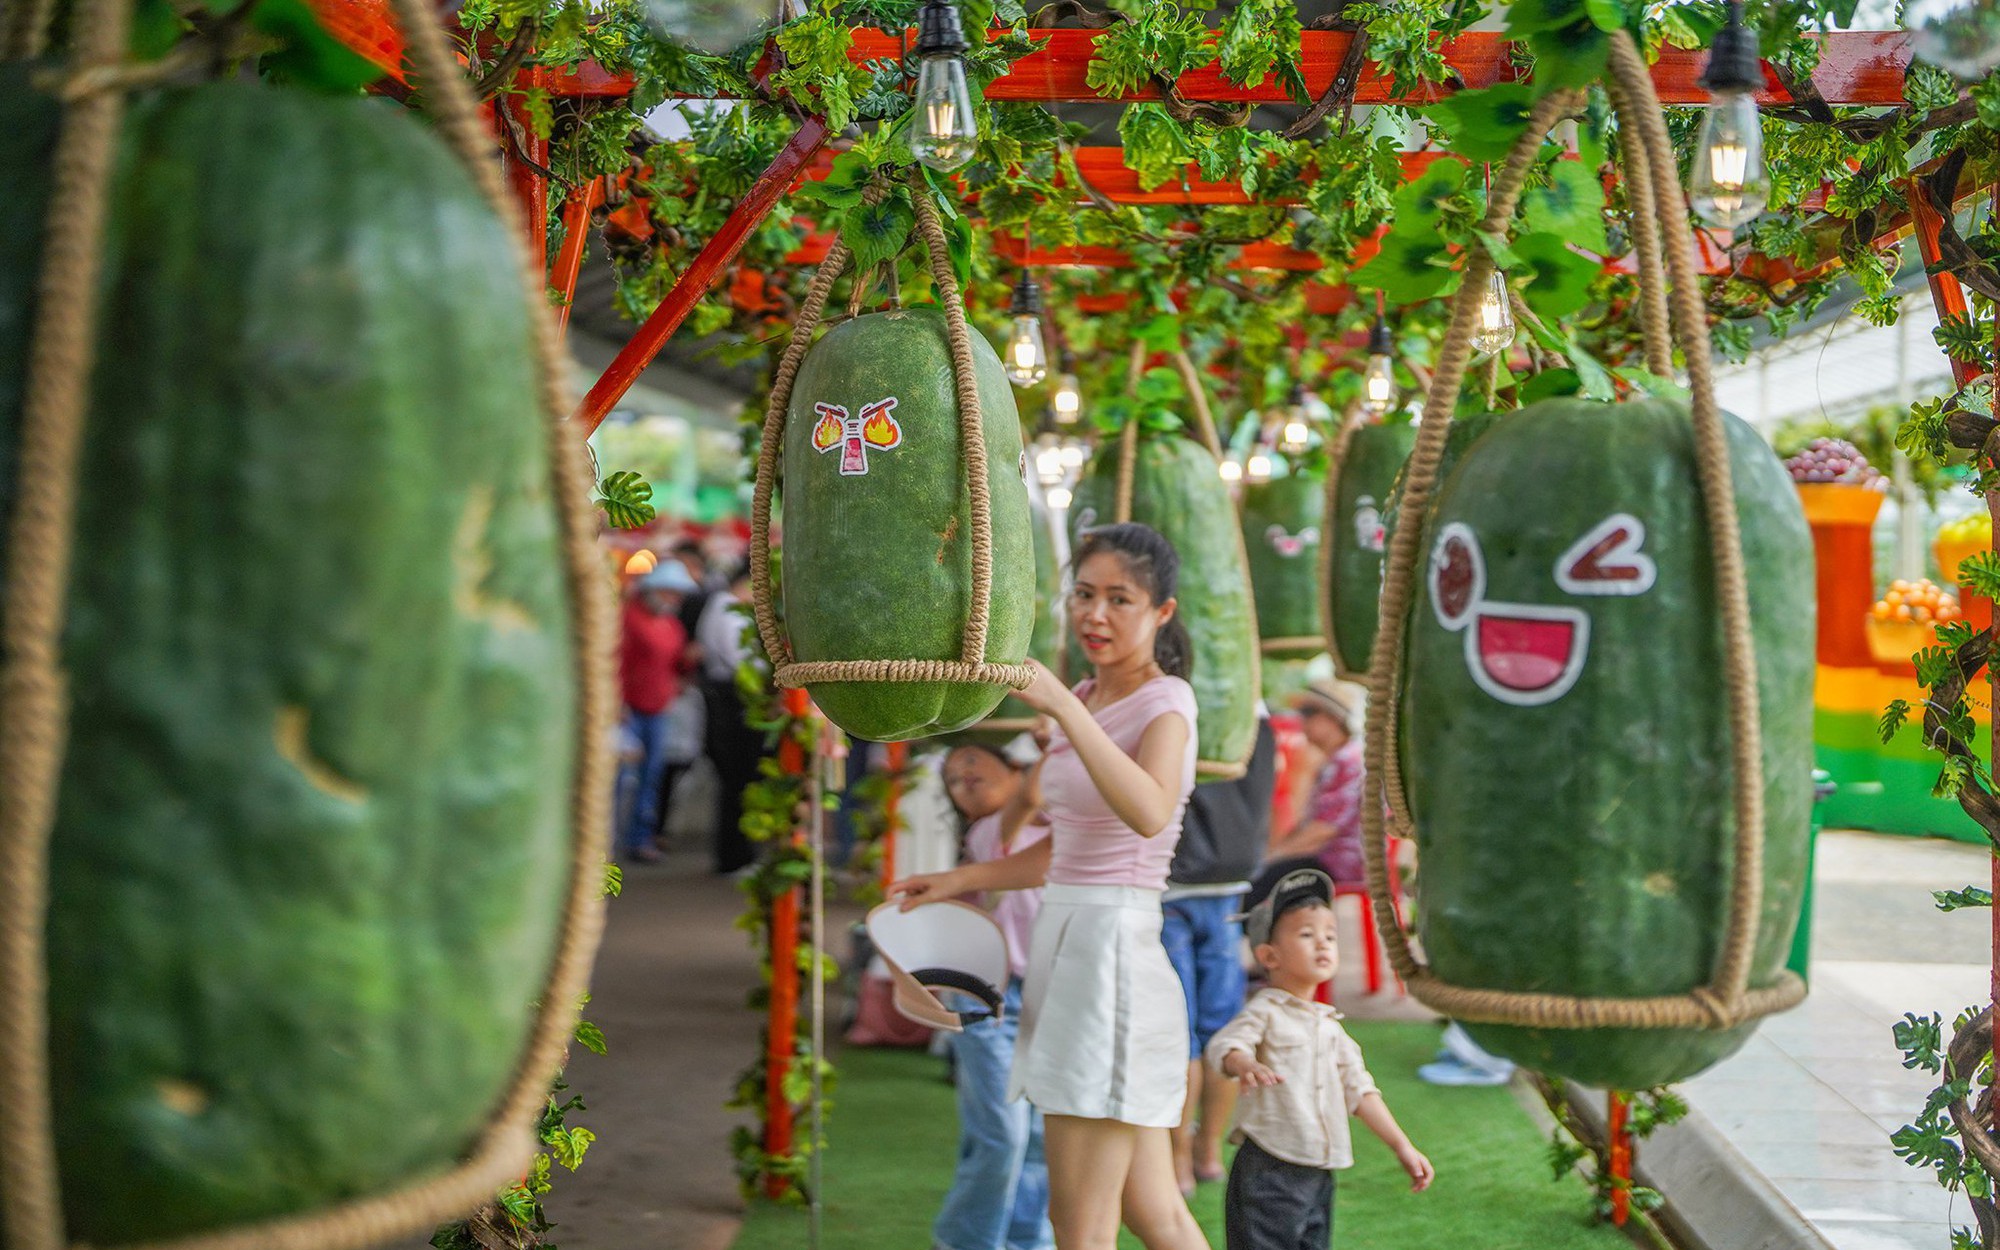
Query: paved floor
point(1813, 1098)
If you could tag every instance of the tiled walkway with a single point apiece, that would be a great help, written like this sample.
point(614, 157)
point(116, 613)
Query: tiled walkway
point(1812, 1099)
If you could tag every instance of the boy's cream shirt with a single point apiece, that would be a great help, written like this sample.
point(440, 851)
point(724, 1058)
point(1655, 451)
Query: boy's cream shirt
point(1304, 1118)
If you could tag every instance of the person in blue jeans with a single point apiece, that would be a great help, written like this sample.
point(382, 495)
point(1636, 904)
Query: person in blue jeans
point(999, 1196)
point(1223, 836)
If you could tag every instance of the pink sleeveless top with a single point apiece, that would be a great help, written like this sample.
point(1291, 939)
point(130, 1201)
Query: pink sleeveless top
point(1092, 846)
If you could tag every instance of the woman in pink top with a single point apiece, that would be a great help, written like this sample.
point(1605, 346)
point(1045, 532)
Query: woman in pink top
point(1103, 1043)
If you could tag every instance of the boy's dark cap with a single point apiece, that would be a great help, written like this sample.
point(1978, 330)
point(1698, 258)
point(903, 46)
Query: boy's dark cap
point(1294, 889)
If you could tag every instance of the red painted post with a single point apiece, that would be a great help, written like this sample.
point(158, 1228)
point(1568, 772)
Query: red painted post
point(706, 267)
point(524, 179)
point(781, 1041)
point(1946, 293)
point(898, 758)
point(576, 238)
point(1618, 1148)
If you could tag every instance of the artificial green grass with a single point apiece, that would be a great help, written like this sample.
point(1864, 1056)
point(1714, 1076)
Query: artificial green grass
point(893, 1138)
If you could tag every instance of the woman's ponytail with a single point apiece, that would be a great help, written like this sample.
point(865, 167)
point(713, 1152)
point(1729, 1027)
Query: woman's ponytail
point(1154, 563)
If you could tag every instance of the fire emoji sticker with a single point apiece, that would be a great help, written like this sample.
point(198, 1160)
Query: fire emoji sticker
point(854, 435)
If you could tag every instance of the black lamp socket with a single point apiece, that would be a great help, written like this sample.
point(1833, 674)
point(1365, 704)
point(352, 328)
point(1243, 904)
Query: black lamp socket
point(938, 30)
point(1733, 60)
point(1027, 298)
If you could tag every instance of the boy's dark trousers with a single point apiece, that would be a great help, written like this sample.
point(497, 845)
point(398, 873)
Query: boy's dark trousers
point(1275, 1205)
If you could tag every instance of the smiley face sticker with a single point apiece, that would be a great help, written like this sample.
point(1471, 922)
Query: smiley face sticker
point(1530, 654)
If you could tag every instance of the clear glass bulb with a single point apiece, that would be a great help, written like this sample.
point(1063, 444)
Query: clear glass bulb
point(1059, 497)
point(1494, 329)
point(1296, 437)
point(946, 131)
point(1378, 386)
point(1230, 470)
point(1049, 464)
point(1072, 453)
point(1026, 359)
point(1068, 400)
point(1730, 183)
point(1259, 468)
point(1962, 36)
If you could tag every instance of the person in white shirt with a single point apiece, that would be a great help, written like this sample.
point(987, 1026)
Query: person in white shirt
point(734, 746)
point(1302, 1077)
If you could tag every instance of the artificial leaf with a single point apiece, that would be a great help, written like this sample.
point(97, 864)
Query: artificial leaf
point(1156, 147)
point(308, 55)
point(1406, 270)
point(1569, 56)
point(1571, 207)
point(626, 499)
point(1593, 377)
point(1549, 384)
point(1649, 383)
point(1496, 246)
point(1484, 124)
point(876, 233)
point(1527, 17)
point(1430, 195)
point(1556, 281)
point(1606, 15)
point(590, 1037)
point(1955, 900)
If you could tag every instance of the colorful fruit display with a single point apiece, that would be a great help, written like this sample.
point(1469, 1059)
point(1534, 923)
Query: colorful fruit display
point(1921, 601)
point(311, 848)
point(1175, 490)
point(1564, 721)
point(878, 526)
point(1283, 527)
point(1361, 490)
point(1834, 460)
point(1958, 541)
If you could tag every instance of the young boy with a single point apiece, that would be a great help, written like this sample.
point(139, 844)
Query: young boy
point(1301, 1075)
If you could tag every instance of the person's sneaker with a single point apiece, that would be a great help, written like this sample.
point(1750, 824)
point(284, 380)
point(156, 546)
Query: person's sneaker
point(1453, 1072)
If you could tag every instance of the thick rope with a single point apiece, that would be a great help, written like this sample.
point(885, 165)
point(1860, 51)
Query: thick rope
point(1204, 416)
point(24, 34)
point(34, 689)
point(1725, 1001)
point(1725, 538)
point(971, 666)
point(1128, 438)
point(1642, 204)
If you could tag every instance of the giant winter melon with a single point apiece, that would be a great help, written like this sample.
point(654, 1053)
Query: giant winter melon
point(311, 847)
point(878, 523)
point(1012, 716)
point(1356, 536)
point(1283, 526)
point(1566, 740)
point(1176, 490)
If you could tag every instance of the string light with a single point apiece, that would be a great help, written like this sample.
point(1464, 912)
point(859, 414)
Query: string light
point(1296, 436)
point(1027, 359)
point(1378, 380)
point(1059, 497)
point(1259, 467)
point(1073, 453)
point(1068, 400)
point(1230, 469)
point(946, 130)
point(1049, 468)
point(1730, 183)
point(1494, 329)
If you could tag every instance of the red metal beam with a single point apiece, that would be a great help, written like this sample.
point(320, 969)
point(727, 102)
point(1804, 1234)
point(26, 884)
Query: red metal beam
point(576, 237)
point(701, 273)
point(524, 177)
point(1946, 293)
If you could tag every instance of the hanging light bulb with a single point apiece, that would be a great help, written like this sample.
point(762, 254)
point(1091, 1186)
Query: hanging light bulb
point(1494, 329)
point(1230, 469)
point(1259, 467)
point(1072, 452)
point(1962, 36)
point(1378, 381)
point(1068, 400)
point(1730, 183)
point(1026, 359)
point(1296, 436)
point(946, 131)
point(1059, 497)
point(1049, 467)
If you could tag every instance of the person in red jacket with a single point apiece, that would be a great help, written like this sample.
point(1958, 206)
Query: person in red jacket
point(652, 656)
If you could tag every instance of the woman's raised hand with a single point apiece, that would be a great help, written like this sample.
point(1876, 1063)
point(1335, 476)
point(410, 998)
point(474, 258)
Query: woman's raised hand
point(1046, 693)
point(925, 887)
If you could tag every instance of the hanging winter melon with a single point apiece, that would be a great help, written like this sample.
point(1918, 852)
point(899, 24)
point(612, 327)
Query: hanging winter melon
point(1565, 729)
point(1283, 527)
point(1176, 490)
point(1014, 717)
point(310, 852)
point(1356, 535)
point(878, 542)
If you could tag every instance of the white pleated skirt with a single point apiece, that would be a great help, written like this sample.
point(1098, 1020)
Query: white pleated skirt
point(1104, 1028)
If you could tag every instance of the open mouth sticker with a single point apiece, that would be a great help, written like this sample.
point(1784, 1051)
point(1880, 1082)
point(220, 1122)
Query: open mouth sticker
point(1369, 534)
point(1529, 654)
point(871, 428)
point(1290, 545)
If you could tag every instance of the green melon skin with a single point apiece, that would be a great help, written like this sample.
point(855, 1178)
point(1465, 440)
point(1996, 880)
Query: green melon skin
point(878, 566)
point(1368, 472)
point(310, 851)
point(1284, 523)
point(1582, 846)
point(1176, 490)
point(1012, 716)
